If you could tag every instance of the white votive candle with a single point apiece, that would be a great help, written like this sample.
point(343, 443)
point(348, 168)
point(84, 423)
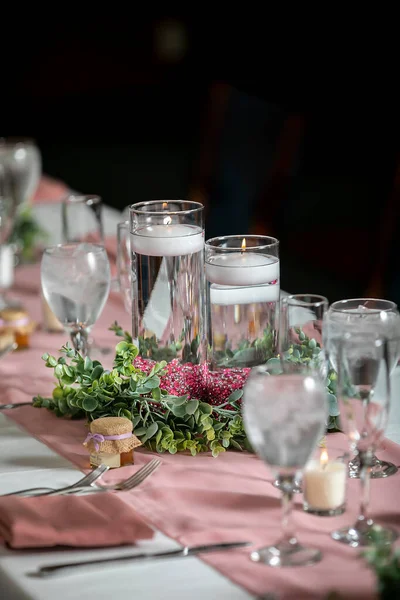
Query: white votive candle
point(167, 240)
point(242, 269)
point(324, 485)
point(227, 295)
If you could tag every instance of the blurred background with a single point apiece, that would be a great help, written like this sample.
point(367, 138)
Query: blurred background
point(273, 137)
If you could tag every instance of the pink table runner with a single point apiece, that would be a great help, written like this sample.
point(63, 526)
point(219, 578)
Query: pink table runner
point(201, 499)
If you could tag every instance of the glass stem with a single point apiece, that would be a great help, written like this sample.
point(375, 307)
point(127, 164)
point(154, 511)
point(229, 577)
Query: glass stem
point(365, 478)
point(79, 340)
point(287, 484)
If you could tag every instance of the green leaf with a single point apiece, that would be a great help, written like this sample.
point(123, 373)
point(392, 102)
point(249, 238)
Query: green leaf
point(89, 404)
point(97, 372)
point(178, 401)
point(151, 430)
point(153, 382)
point(235, 395)
point(88, 365)
point(135, 421)
point(140, 431)
point(191, 407)
point(156, 393)
point(178, 411)
point(205, 408)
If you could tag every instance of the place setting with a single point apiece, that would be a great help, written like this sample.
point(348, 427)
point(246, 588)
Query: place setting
point(210, 391)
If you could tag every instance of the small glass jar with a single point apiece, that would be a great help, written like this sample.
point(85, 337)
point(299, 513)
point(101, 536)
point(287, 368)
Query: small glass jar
point(16, 321)
point(111, 442)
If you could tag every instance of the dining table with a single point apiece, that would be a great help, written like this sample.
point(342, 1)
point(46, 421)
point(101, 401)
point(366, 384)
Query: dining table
point(187, 501)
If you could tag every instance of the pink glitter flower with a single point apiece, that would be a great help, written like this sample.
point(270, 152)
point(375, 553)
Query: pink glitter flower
point(197, 381)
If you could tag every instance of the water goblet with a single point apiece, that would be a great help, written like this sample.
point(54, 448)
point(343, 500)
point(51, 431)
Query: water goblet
point(76, 283)
point(363, 315)
point(285, 417)
point(363, 363)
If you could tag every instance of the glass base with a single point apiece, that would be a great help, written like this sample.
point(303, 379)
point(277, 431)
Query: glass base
point(379, 469)
point(360, 534)
point(328, 512)
point(297, 489)
point(287, 554)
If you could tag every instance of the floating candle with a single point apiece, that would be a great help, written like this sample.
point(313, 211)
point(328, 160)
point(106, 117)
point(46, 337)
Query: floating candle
point(324, 485)
point(167, 240)
point(242, 269)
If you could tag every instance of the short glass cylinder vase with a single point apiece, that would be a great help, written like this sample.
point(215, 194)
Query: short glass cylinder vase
point(242, 291)
point(167, 247)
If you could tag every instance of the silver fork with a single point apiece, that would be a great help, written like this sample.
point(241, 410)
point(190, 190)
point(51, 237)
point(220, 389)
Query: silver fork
point(122, 486)
point(88, 480)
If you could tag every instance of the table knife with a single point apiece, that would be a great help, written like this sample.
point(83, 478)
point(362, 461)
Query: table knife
point(8, 406)
point(49, 570)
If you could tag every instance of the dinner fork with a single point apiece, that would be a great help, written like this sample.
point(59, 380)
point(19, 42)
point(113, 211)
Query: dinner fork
point(88, 480)
point(122, 486)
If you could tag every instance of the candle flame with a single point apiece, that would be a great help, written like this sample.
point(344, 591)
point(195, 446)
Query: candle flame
point(324, 458)
point(167, 221)
point(165, 205)
point(243, 244)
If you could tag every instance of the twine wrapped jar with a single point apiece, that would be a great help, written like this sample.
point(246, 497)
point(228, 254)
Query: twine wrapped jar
point(111, 442)
point(16, 321)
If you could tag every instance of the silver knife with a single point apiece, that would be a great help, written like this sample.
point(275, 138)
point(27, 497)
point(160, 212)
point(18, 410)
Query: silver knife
point(8, 406)
point(49, 570)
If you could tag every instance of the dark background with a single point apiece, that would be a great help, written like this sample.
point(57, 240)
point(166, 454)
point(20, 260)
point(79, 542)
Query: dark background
point(276, 131)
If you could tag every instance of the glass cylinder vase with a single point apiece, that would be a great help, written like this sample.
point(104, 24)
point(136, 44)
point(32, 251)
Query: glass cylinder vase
point(167, 246)
point(242, 283)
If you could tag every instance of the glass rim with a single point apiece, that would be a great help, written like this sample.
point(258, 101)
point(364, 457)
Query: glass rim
point(212, 242)
point(136, 208)
point(322, 300)
point(88, 199)
point(334, 306)
point(50, 250)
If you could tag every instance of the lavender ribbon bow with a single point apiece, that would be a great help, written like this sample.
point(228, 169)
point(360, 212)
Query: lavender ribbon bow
point(98, 438)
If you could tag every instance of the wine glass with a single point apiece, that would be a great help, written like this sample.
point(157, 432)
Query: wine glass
point(82, 219)
point(124, 264)
point(7, 216)
point(363, 363)
point(284, 417)
point(23, 158)
point(368, 315)
point(76, 283)
point(300, 331)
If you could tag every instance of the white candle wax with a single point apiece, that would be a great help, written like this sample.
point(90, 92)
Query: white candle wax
point(167, 240)
point(325, 486)
point(242, 269)
point(6, 266)
point(227, 295)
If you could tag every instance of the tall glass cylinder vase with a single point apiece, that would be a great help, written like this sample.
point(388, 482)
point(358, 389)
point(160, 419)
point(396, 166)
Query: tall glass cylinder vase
point(242, 283)
point(167, 246)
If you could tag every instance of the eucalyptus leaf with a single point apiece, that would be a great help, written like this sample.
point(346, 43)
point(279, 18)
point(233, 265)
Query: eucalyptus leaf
point(191, 407)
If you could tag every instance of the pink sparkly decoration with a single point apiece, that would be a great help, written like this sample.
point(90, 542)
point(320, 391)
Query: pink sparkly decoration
point(196, 381)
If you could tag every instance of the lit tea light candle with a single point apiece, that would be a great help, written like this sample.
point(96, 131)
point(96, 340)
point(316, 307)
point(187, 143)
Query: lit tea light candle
point(324, 486)
point(167, 239)
point(242, 268)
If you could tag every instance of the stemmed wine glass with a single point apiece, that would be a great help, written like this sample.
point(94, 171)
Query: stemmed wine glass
point(363, 362)
point(285, 417)
point(124, 271)
point(24, 161)
point(76, 284)
point(363, 315)
point(8, 208)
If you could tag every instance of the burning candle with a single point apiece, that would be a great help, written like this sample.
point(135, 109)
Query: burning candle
point(168, 239)
point(324, 485)
point(243, 268)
